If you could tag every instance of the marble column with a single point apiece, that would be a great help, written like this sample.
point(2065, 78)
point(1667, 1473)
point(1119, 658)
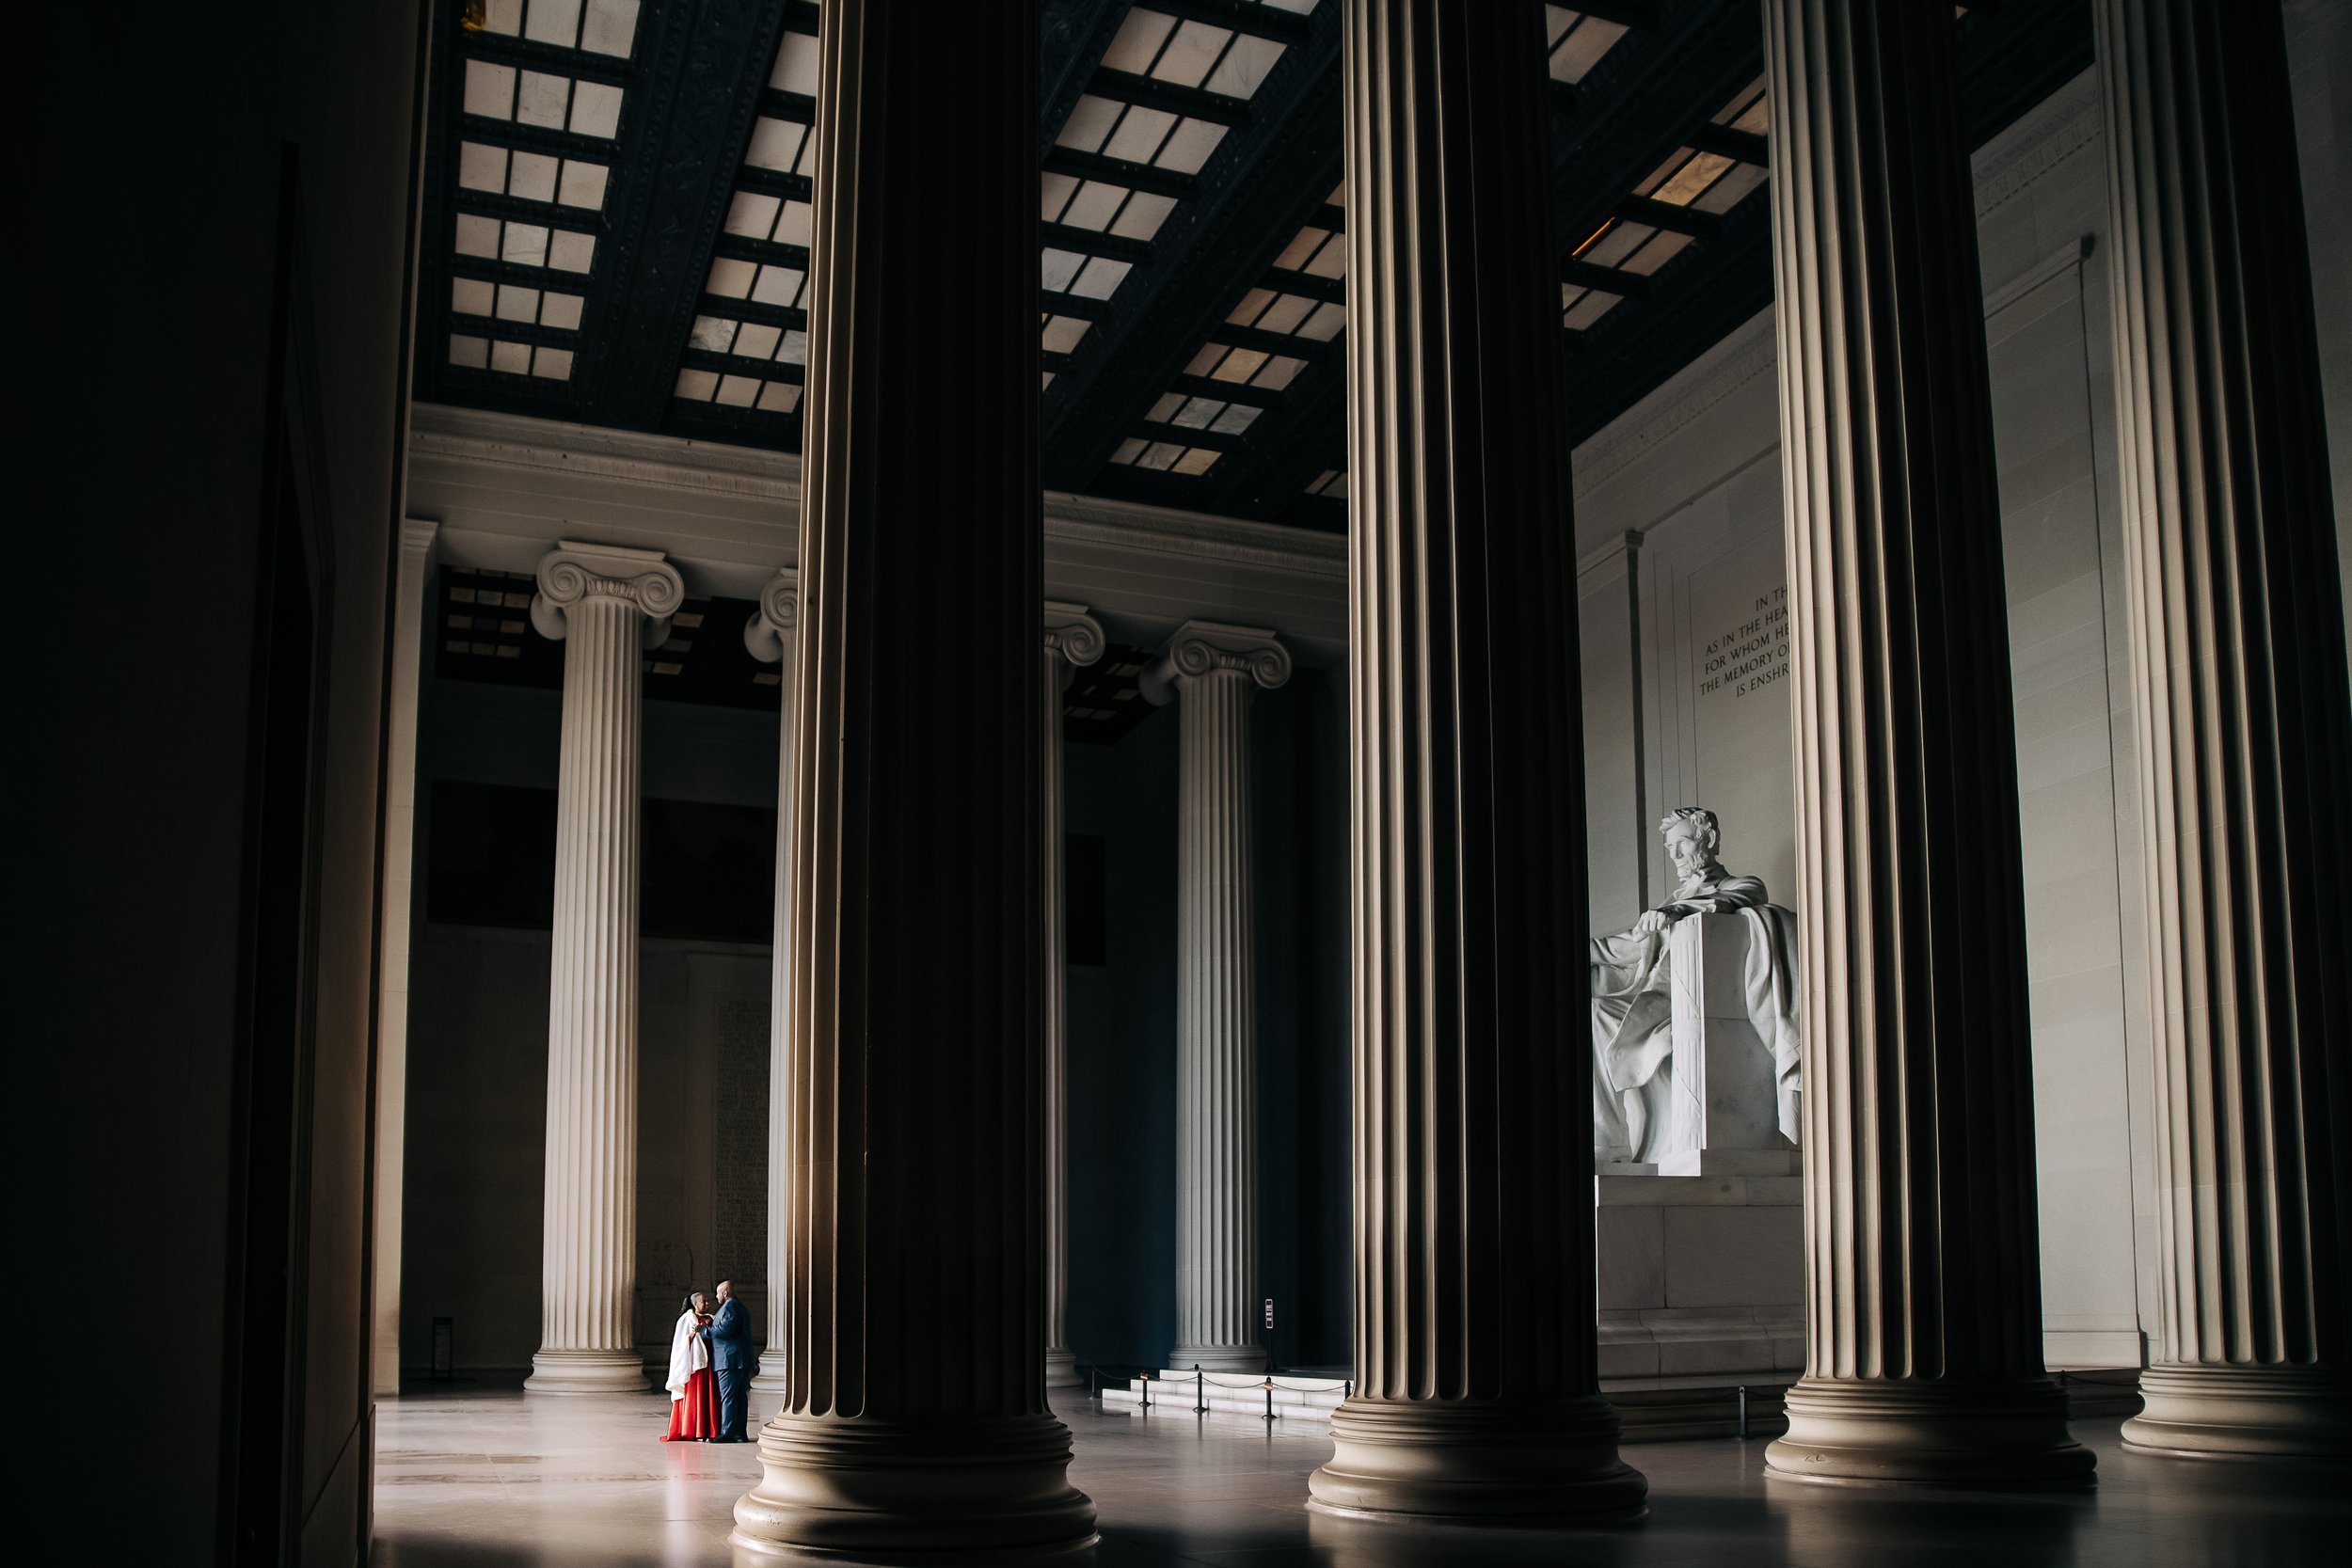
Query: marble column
point(1074, 639)
point(1476, 1393)
point(410, 612)
point(1922, 1267)
point(1211, 671)
point(2245, 735)
point(772, 637)
point(606, 605)
point(914, 1417)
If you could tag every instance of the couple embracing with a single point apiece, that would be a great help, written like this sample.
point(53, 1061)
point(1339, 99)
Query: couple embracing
point(711, 1366)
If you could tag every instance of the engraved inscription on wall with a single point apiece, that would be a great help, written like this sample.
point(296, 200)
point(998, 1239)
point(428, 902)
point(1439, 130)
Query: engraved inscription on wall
point(1749, 655)
point(740, 1050)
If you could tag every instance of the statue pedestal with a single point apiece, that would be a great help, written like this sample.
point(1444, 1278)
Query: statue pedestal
point(1725, 1106)
point(1700, 1275)
point(1702, 1250)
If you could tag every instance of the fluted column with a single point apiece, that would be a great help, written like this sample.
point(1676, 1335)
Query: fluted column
point(1922, 1267)
point(913, 1415)
point(1210, 671)
point(410, 613)
point(1475, 1379)
point(772, 637)
point(1073, 639)
point(606, 605)
point(2245, 735)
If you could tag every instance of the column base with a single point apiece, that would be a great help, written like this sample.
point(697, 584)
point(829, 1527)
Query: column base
point(2202, 1411)
point(769, 1386)
point(1061, 1370)
point(1215, 1359)
point(892, 1490)
point(586, 1371)
point(1432, 1459)
point(1902, 1432)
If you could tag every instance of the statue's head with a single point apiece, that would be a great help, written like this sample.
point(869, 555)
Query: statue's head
point(1691, 839)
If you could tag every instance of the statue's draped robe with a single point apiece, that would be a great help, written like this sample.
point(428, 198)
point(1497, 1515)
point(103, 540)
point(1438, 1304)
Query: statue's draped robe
point(1634, 1022)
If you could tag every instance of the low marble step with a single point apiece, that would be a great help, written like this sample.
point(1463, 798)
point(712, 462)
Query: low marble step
point(1654, 1410)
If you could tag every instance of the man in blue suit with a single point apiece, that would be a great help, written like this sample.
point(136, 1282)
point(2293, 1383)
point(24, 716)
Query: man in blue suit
point(733, 1360)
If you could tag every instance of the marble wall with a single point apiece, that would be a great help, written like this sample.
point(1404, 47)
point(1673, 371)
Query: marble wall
point(478, 1045)
point(1678, 513)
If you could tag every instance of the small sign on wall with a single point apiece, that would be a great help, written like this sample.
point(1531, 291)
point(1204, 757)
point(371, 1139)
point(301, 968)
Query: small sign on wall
point(1269, 1311)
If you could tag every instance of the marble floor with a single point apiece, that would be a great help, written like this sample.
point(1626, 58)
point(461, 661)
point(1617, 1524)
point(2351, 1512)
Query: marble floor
point(486, 1479)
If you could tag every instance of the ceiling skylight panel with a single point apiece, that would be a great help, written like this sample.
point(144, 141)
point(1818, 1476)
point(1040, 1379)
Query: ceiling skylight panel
point(543, 99)
point(1726, 192)
point(1245, 66)
point(795, 65)
point(734, 390)
point(1192, 54)
point(1140, 37)
point(1139, 134)
point(1061, 334)
point(1189, 146)
point(1576, 42)
point(524, 245)
point(1307, 252)
point(599, 26)
point(1749, 110)
point(1165, 457)
point(531, 176)
point(469, 352)
point(1708, 182)
point(776, 144)
point(1088, 276)
point(1580, 307)
point(1135, 133)
point(1223, 362)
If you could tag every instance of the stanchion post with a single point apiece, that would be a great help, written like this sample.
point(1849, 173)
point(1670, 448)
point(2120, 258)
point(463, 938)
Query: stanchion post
point(1200, 1391)
point(1146, 1380)
point(1743, 1412)
point(1270, 1399)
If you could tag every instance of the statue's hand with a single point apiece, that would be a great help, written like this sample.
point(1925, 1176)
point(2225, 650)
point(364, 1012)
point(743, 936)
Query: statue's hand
point(1652, 923)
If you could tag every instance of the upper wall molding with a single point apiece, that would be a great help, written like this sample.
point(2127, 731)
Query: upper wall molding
point(514, 442)
point(2045, 136)
point(635, 458)
point(507, 486)
point(1748, 351)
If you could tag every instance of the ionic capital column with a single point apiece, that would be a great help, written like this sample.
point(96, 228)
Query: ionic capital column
point(606, 605)
point(772, 637)
point(1214, 670)
point(2245, 729)
point(1476, 1387)
point(912, 1269)
point(1074, 639)
point(1924, 1292)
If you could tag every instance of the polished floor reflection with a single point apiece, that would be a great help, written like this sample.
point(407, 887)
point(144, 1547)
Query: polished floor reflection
point(485, 1478)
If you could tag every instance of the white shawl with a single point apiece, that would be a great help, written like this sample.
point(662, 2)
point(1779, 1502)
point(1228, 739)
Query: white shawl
point(688, 1354)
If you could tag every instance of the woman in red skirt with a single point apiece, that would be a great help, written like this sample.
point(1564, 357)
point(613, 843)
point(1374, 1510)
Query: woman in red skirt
point(694, 1388)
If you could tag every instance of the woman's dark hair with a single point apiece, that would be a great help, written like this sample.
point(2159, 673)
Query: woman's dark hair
point(688, 1304)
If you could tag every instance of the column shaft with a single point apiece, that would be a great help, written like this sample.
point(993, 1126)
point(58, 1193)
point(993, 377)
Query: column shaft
point(774, 638)
point(1476, 1384)
point(1214, 670)
point(598, 603)
point(1924, 1358)
point(1071, 638)
point(2245, 734)
point(913, 1415)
